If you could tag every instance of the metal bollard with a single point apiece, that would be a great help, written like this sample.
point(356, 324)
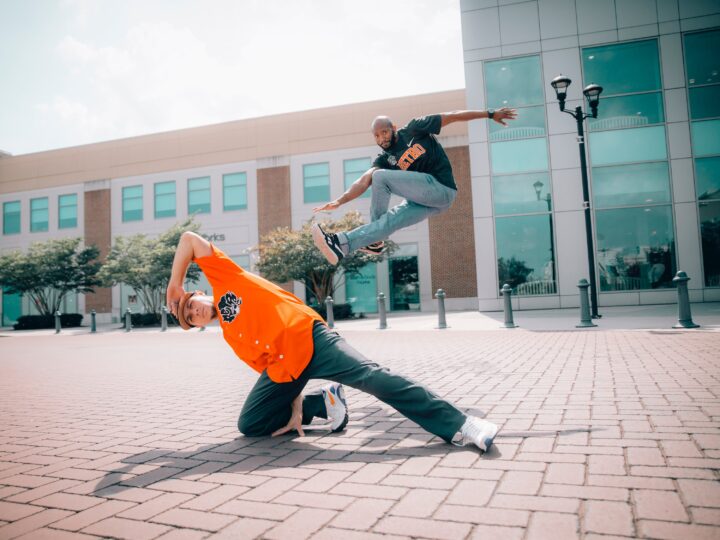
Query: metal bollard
point(442, 323)
point(128, 323)
point(57, 322)
point(329, 313)
point(684, 315)
point(506, 291)
point(381, 311)
point(585, 317)
point(163, 319)
point(93, 326)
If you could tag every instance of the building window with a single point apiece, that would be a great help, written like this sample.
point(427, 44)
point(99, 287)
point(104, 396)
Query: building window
point(132, 203)
point(243, 261)
point(404, 279)
point(165, 199)
point(199, 195)
point(235, 191)
point(316, 182)
point(67, 211)
point(354, 169)
point(703, 80)
point(11, 217)
point(521, 184)
point(39, 214)
point(361, 289)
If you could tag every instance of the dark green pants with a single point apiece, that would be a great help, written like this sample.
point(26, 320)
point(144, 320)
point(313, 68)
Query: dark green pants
point(268, 406)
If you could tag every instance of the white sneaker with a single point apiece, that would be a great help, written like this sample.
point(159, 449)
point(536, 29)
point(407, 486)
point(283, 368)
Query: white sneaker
point(477, 431)
point(334, 396)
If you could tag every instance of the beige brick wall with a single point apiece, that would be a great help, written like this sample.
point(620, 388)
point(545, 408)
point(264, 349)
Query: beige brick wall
point(273, 193)
point(97, 233)
point(452, 237)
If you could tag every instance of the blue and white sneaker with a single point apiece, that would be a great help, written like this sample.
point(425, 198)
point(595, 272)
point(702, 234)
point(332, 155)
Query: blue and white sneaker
point(334, 396)
point(477, 431)
point(328, 244)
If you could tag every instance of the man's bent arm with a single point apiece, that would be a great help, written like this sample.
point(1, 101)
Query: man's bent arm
point(191, 246)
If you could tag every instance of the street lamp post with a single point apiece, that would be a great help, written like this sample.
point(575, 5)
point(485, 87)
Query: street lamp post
point(538, 190)
point(592, 93)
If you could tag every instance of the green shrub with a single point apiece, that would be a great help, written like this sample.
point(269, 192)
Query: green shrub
point(35, 322)
point(340, 311)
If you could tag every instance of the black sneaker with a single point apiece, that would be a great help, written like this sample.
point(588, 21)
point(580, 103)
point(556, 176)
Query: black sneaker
point(376, 248)
point(328, 244)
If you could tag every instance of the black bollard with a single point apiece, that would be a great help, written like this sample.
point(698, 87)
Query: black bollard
point(57, 322)
point(585, 317)
point(442, 323)
point(381, 311)
point(329, 312)
point(93, 326)
point(506, 291)
point(684, 315)
point(163, 319)
point(128, 322)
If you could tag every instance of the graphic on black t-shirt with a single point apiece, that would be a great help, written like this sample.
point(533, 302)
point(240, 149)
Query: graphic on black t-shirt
point(229, 306)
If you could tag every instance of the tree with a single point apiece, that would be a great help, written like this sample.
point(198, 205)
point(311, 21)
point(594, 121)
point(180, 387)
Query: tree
point(49, 271)
point(289, 255)
point(145, 264)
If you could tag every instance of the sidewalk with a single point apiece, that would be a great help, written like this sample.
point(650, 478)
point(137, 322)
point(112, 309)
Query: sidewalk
point(611, 432)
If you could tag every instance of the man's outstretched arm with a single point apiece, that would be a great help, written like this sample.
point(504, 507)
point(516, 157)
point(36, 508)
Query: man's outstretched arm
point(499, 116)
point(357, 188)
point(191, 246)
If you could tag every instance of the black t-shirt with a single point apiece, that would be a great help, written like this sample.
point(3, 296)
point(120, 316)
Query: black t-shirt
point(417, 149)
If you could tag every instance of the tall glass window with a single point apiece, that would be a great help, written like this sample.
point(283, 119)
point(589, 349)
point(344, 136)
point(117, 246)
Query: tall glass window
point(165, 199)
point(132, 203)
point(199, 195)
point(354, 169)
point(67, 211)
point(361, 290)
point(635, 242)
point(39, 214)
point(11, 217)
point(521, 184)
point(703, 80)
point(404, 279)
point(235, 191)
point(316, 182)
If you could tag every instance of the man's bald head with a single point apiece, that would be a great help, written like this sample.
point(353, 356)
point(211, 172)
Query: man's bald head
point(381, 122)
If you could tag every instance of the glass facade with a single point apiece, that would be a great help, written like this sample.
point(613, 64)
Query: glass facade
point(404, 279)
point(234, 191)
point(67, 211)
point(39, 214)
point(165, 199)
point(199, 195)
point(316, 182)
point(354, 169)
point(11, 217)
point(132, 203)
point(634, 234)
point(521, 183)
point(361, 290)
point(702, 68)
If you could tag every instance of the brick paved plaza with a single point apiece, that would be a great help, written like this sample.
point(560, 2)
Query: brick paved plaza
point(605, 434)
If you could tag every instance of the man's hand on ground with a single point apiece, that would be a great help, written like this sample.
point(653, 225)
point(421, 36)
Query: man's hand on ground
point(295, 419)
point(174, 294)
point(503, 114)
point(327, 207)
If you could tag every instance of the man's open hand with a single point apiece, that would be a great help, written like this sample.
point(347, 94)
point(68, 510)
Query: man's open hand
point(327, 207)
point(295, 419)
point(174, 294)
point(503, 114)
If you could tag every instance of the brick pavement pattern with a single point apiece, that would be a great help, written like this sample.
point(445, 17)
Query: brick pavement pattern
point(605, 434)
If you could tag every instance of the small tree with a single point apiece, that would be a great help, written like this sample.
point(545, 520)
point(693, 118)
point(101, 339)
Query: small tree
point(49, 271)
point(145, 264)
point(289, 255)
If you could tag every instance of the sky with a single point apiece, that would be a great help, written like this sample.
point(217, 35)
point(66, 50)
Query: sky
point(80, 71)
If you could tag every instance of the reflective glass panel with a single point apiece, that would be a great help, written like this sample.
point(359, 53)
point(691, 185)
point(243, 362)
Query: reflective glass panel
point(199, 195)
point(11, 308)
point(635, 248)
point(243, 261)
point(530, 122)
point(710, 233)
point(626, 185)
point(11, 217)
point(707, 174)
point(316, 182)
point(132, 203)
point(39, 214)
point(705, 102)
point(522, 193)
point(628, 145)
point(354, 169)
point(514, 82)
point(67, 211)
point(404, 283)
point(526, 254)
point(629, 111)
point(702, 60)
point(165, 199)
point(705, 137)
point(234, 191)
point(623, 68)
point(519, 156)
point(361, 290)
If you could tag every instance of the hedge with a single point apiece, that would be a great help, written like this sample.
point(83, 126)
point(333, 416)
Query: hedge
point(35, 322)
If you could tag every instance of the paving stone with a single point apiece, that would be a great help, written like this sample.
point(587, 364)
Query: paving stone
point(700, 492)
point(545, 525)
point(423, 528)
point(659, 505)
point(80, 520)
point(673, 531)
point(607, 517)
point(126, 529)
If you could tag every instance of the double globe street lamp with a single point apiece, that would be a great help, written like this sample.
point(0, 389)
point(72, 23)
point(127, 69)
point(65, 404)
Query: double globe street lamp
point(592, 93)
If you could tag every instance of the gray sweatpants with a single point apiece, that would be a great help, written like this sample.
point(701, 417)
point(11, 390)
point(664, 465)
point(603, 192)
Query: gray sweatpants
point(268, 406)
